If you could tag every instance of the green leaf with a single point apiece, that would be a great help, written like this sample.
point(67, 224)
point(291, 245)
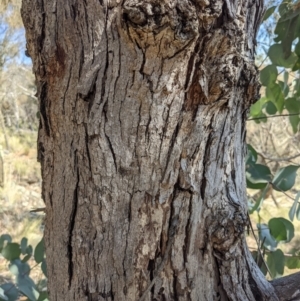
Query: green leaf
point(11, 251)
point(296, 67)
point(284, 88)
point(44, 267)
point(290, 12)
point(298, 213)
point(2, 295)
point(3, 239)
point(27, 287)
point(286, 78)
point(29, 250)
point(292, 211)
point(43, 296)
point(269, 12)
point(275, 262)
point(258, 173)
point(39, 252)
point(274, 93)
point(297, 49)
point(24, 242)
point(292, 262)
point(259, 201)
point(293, 106)
point(256, 108)
point(278, 56)
point(285, 178)
point(264, 235)
point(251, 154)
point(281, 229)
point(271, 108)
point(258, 186)
point(284, 8)
point(26, 258)
point(10, 291)
point(18, 267)
point(290, 37)
point(297, 87)
point(268, 75)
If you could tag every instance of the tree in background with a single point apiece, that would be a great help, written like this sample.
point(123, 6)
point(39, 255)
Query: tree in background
point(18, 104)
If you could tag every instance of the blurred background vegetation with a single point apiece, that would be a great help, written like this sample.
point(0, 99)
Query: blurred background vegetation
point(271, 165)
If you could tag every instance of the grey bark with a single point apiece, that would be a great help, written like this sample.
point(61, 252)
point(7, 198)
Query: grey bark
point(142, 142)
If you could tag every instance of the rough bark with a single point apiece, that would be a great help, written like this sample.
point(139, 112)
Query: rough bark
point(142, 142)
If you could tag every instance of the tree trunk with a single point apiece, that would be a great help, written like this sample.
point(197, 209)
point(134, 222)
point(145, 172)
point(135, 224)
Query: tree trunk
point(142, 142)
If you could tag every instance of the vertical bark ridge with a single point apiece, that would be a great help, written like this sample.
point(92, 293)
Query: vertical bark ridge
point(141, 141)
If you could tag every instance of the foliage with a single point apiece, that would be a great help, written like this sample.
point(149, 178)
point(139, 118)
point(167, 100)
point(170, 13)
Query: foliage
point(280, 79)
point(20, 258)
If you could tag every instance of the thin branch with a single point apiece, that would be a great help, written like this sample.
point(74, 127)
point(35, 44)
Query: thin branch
point(266, 117)
point(258, 246)
point(293, 199)
point(263, 61)
point(278, 159)
point(267, 251)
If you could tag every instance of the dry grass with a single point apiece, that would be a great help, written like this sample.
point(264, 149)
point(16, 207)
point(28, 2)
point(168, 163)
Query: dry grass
point(21, 192)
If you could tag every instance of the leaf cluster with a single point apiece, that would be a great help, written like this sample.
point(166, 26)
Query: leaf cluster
point(21, 260)
point(280, 80)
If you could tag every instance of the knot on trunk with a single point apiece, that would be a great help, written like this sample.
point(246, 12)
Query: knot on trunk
point(178, 19)
point(249, 81)
point(226, 226)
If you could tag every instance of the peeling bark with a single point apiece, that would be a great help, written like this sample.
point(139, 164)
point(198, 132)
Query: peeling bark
point(142, 142)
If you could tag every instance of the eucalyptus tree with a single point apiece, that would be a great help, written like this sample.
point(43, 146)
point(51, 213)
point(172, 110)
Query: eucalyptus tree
point(143, 107)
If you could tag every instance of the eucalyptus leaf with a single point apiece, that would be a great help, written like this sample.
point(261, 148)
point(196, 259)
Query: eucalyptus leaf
point(292, 262)
point(275, 262)
point(293, 106)
point(11, 251)
point(269, 12)
point(298, 213)
point(278, 56)
point(281, 229)
point(274, 94)
point(293, 209)
point(27, 287)
point(2, 295)
point(256, 109)
point(264, 235)
point(268, 75)
point(23, 245)
point(39, 252)
point(251, 154)
point(43, 296)
point(271, 108)
point(18, 267)
point(260, 200)
point(3, 239)
point(44, 267)
point(10, 291)
point(285, 178)
point(258, 173)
